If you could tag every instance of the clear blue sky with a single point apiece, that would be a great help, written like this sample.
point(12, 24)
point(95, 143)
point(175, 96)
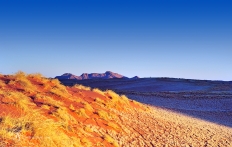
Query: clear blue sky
point(159, 38)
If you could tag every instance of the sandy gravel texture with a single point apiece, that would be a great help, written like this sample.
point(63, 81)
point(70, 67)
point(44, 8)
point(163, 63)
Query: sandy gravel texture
point(162, 128)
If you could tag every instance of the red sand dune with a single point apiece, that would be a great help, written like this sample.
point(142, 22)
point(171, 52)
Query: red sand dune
point(35, 111)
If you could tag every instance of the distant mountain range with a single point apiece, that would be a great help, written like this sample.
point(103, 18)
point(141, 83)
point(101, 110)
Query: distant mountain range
point(84, 76)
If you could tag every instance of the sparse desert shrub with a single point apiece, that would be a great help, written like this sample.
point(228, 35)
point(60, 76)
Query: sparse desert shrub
point(98, 91)
point(81, 87)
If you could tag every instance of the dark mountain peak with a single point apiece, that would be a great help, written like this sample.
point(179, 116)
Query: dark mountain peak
point(135, 77)
point(84, 74)
point(111, 74)
point(108, 72)
point(67, 74)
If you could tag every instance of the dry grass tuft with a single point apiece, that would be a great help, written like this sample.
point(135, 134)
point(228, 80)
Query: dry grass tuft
point(103, 114)
point(71, 107)
point(44, 131)
point(20, 78)
point(98, 91)
point(17, 99)
point(81, 112)
point(99, 101)
point(47, 100)
point(116, 101)
point(81, 87)
point(112, 94)
point(110, 140)
point(38, 78)
point(63, 114)
point(88, 107)
point(61, 92)
point(113, 125)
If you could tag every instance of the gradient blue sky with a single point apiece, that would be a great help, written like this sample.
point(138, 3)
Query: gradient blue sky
point(159, 38)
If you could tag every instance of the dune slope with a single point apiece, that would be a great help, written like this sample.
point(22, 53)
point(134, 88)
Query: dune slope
point(35, 111)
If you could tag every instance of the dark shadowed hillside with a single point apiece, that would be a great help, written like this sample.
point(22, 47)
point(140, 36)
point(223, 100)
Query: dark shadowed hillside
point(204, 99)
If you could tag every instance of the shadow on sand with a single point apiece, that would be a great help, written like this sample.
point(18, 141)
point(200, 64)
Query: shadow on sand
point(218, 111)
